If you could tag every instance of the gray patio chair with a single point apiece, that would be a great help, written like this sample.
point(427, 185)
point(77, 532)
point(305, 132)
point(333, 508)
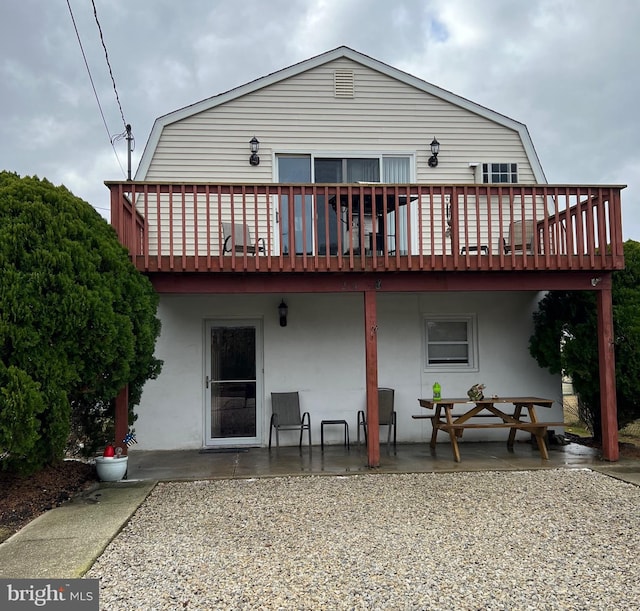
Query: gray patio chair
point(237, 238)
point(521, 241)
point(285, 416)
point(386, 416)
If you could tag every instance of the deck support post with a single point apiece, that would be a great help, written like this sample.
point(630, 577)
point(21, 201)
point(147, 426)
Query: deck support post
point(116, 211)
point(606, 355)
point(371, 373)
point(122, 418)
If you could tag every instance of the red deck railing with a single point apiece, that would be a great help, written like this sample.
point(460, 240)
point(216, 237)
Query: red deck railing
point(365, 227)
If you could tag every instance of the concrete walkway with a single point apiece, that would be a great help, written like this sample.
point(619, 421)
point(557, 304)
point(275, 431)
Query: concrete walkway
point(64, 542)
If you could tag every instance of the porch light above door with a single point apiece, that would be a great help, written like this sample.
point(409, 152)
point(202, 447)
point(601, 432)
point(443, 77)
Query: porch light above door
point(435, 149)
point(283, 310)
point(254, 146)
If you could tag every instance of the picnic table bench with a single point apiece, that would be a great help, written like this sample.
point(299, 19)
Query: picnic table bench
point(454, 424)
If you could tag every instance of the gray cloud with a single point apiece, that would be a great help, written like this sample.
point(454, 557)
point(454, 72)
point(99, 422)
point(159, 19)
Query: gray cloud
point(566, 68)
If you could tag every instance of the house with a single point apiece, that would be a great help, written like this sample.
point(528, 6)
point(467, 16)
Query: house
point(341, 225)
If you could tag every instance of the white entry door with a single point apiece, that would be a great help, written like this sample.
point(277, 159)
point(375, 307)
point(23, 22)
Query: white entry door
point(233, 383)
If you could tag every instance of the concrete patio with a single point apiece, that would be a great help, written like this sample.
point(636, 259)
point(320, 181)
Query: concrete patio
point(338, 460)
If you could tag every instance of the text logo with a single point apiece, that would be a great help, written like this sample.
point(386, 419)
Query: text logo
point(67, 594)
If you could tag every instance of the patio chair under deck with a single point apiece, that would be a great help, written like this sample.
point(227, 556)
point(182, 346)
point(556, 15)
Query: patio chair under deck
point(285, 416)
point(386, 416)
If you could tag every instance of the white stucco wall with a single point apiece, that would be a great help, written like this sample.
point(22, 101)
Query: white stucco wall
point(320, 353)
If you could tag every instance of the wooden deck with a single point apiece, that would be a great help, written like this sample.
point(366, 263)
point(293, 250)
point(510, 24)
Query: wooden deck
point(178, 227)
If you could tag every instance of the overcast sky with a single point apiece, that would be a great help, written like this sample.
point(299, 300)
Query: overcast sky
point(568, 69)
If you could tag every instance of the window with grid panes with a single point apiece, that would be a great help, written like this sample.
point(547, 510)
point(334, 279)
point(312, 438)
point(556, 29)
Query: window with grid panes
point(500, 172)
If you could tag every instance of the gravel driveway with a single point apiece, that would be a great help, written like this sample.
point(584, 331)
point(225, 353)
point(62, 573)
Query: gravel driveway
point(561, 539)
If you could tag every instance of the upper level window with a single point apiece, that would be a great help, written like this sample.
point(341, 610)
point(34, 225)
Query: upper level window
point(499, 172)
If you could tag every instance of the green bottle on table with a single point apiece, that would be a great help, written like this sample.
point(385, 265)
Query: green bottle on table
point(437, 392)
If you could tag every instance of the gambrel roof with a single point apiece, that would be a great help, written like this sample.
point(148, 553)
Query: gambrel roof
point(319, 60)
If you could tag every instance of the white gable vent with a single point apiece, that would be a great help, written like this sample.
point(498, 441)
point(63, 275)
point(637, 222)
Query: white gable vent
point(343, 84)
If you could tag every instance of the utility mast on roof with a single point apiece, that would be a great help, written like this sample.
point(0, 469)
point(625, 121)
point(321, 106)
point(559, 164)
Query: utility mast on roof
point(129, 140)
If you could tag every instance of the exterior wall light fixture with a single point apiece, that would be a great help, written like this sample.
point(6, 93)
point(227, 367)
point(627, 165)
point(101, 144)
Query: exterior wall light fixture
point(435, 149)
point(254, 145)
point(283, 310)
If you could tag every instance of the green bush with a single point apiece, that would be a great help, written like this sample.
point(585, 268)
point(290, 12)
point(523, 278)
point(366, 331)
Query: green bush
point(20, 405)
point(565, 340)
point(75, 315)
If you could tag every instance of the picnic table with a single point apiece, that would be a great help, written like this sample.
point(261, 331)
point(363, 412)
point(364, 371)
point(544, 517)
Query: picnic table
point(443, 419)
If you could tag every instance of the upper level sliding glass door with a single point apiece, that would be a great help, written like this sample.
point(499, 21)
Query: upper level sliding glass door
point(316, 223)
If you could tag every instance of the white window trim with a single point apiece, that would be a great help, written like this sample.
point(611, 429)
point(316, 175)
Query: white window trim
point(490, 172)
point(472, 326)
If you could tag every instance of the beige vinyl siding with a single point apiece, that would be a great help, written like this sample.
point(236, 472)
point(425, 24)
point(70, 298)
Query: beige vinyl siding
point(302, 115)
point(178, 233)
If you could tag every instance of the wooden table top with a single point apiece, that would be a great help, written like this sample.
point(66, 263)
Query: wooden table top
point(430, 403)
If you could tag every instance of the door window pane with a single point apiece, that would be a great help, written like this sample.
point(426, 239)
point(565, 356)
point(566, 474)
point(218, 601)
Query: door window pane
point(233, 353)
point(303, 235)
point(396, 170)
point(363, 170)
point(328, 170)
point(294, 168)
point(338, 170)
point(233, 407)
point(233, 382)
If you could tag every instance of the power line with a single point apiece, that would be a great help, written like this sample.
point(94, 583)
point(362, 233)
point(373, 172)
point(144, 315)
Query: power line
point(106, 55)
point(127, 135)
point(95, 93)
